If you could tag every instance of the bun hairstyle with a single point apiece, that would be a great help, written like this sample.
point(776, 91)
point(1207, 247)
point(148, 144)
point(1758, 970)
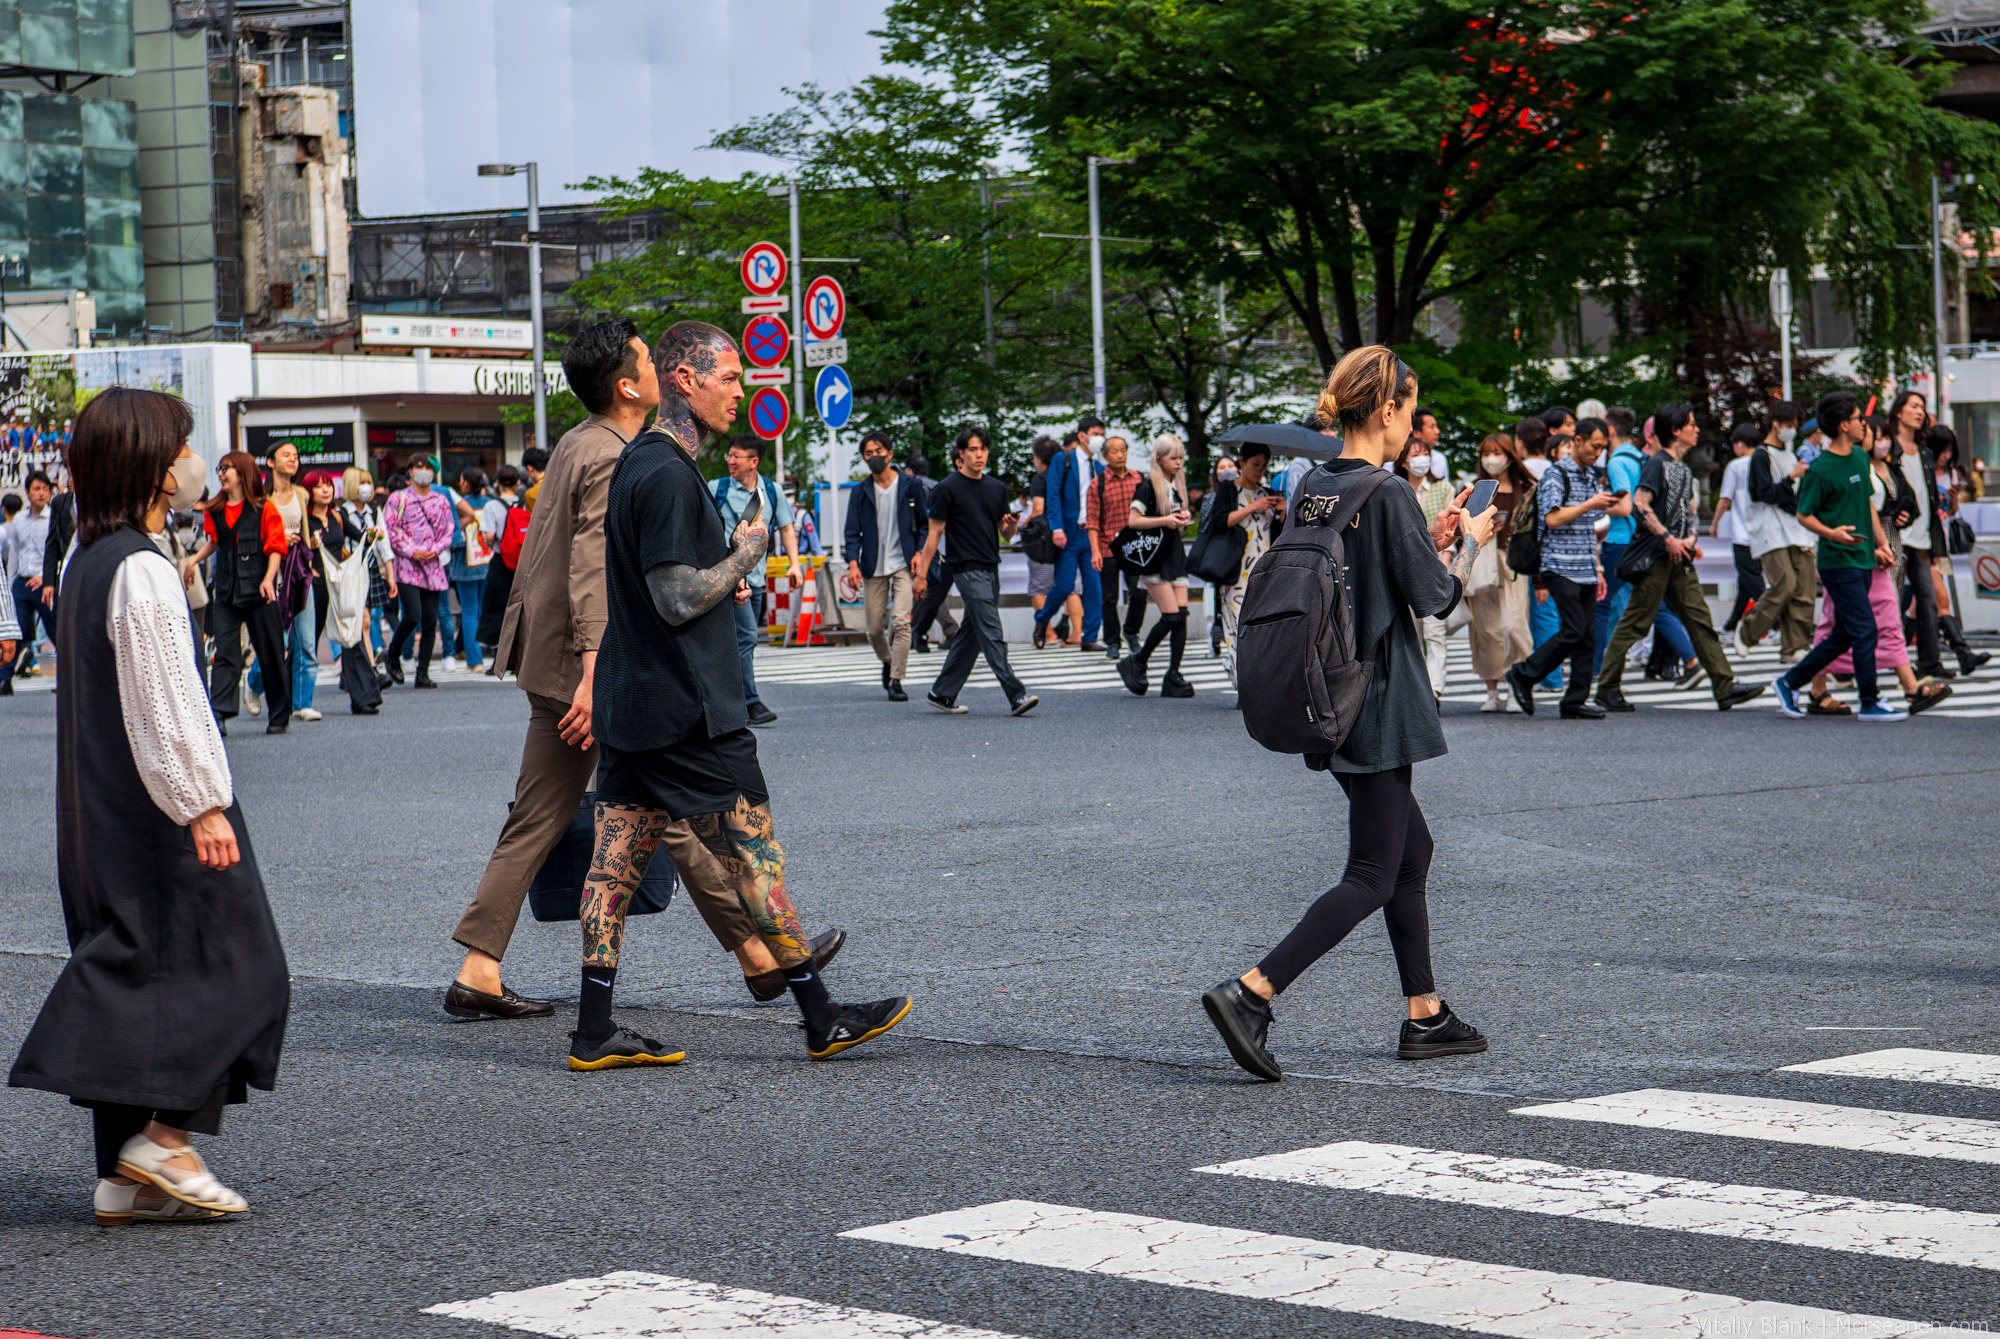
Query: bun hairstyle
point(1361, 383)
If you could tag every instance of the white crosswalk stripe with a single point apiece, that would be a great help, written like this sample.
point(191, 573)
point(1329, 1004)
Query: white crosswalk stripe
point(1632, 1199)
point(1361, 1280)
point(1957, 1069)
point(634, 1304)
point(1857, 1129)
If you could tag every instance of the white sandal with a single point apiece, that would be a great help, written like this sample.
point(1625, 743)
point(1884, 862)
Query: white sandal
point(118, 1205)
point(143, 1160)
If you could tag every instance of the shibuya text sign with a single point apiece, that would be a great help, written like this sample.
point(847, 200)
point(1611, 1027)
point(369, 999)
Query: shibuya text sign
point(514, 379)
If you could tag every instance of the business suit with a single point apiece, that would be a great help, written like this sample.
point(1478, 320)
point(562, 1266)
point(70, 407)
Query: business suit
point(556, 612)
point(887, 590)
point(1067, 486)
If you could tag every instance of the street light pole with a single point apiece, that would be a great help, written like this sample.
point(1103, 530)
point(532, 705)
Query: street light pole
point(1781, 314)
point(1937, 293)
point(534, 283)
point(798, 353)
point(1096, 293)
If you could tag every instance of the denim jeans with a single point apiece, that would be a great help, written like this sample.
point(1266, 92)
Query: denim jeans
point(1545, 622)
point(302, 642)
point(747, 630)
point(28, 607)
point(471, 594)
point(1618, 594)
point(1853, 630)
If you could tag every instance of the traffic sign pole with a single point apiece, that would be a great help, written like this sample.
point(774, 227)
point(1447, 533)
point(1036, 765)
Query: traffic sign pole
point(799, 382)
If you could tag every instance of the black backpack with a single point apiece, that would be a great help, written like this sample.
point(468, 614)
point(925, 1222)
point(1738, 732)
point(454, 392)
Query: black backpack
point(1300, 680)
point(1524, 545)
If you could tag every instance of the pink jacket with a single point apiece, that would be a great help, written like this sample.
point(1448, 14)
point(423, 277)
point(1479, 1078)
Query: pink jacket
point(417, 523)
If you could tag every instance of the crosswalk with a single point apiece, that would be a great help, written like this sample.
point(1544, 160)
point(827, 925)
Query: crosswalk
point(1490, 1297)
point(1060, 669)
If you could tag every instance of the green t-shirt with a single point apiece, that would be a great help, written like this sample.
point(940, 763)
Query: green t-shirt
point(1837, 491)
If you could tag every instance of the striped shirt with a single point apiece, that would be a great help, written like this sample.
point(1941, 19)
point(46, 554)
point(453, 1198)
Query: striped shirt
point(1570, 550)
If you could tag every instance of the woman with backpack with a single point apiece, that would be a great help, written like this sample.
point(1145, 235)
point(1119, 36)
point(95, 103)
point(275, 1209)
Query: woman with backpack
point(1389, 564)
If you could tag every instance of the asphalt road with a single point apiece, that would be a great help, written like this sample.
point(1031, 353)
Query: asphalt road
point(1676, 900)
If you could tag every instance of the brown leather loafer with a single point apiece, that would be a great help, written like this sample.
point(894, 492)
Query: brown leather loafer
point(462, 1001)
point(767, 986)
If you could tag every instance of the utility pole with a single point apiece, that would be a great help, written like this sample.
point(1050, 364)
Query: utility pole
point(534, 284)
point(1222, 347)
point(798, 353)
point(1781, 316)
point(1937, 294)
point(1097, 285)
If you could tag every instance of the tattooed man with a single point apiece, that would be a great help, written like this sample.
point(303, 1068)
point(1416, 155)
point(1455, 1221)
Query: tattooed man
point(670, 715)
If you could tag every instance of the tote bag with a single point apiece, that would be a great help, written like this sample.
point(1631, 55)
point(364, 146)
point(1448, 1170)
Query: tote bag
point(347, 594)
point(557, 892)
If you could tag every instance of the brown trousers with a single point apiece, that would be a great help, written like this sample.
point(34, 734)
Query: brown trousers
point(554, 777)
point(1790, 600)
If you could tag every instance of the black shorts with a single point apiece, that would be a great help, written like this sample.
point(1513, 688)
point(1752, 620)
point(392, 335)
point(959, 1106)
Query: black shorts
point(695, 775)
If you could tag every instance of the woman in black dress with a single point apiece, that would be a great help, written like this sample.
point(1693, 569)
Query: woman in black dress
point(174, 998)
point(1396, 576)
point(1160, 504)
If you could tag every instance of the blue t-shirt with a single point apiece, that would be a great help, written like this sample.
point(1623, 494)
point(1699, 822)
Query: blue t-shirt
point(1624, 471)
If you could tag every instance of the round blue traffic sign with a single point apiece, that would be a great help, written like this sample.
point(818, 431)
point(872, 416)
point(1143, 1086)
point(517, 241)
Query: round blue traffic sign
point(770, 413)
point(833, 393)
point(766, 341)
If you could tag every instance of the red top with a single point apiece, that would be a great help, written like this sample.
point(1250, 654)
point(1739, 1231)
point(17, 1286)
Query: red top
point(272, 525)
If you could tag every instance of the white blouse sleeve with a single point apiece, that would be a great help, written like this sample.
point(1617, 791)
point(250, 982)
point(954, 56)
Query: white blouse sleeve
point(167, 717)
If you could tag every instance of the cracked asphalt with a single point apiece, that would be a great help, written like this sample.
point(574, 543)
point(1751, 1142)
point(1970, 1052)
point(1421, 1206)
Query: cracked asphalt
point(1672, 900)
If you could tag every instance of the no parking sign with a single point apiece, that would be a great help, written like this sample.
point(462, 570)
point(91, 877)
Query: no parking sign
point(770, 413)
point(1986, 569)
point(766, 341)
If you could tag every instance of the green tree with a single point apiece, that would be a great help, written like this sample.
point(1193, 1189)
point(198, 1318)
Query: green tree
point(1384, 154)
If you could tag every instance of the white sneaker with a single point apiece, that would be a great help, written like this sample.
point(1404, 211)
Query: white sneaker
point(305, 714)
point(118, 1206)
point(253, 701)
point(1494, 702)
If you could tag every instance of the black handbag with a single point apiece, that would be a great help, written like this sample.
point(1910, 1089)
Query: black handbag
point(1217, 554)
point(1038, 541)
point(1645, 549)
point(1958, 535)
point(557, 892)
point(1141, 550)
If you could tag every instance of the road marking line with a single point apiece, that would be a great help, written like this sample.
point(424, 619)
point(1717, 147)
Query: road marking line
point(1633, 1199)
point(1960, 1069)
point(1857, 1129)
point(1361, 1280)
point(1839, 1027)
point(632, 1304)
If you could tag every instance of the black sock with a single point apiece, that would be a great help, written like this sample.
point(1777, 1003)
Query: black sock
point(1154, 636)
point(809, 991)
point(593, 1012)
point(1177, 640)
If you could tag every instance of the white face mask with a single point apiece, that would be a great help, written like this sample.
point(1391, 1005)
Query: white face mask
point(1880, 450)
point(1227, 475)
point(364, 491)
point(1785, 436)
point(1493, 465)
point(421, 477)
point(1440, 467)
point(1419, 466)
point(190, 476)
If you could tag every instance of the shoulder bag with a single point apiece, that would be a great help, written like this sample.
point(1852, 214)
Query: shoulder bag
point(1038, 541)
point(1217, 555)
point(557, 891)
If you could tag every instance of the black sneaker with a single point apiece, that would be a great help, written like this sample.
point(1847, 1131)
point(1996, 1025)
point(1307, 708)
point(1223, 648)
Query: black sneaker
point(1740, 694)
point(1524, 692)
point(1443, 1033)
point(1244, 1022)
point(760, 714)
point(854, 1024)
point(622, 1049)
point(1024, 705)
point(1134, 676)
point(896, 693)
point(947, 705)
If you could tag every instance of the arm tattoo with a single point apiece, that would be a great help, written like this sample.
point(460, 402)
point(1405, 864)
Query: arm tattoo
point(682, 593)
point(1461, 566)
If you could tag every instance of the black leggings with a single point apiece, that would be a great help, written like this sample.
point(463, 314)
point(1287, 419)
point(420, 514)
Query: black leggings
point(1386, 834)
point(420, 608)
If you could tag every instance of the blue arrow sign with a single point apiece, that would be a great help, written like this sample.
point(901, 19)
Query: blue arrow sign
point(834, 394)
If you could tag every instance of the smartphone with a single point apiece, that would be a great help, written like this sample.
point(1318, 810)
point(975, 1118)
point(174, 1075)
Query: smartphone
point(1482, 496)
point(1618, 493)
point(754, 508)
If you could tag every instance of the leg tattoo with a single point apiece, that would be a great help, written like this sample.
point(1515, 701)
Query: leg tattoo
point(743, 841)
point(626, 840)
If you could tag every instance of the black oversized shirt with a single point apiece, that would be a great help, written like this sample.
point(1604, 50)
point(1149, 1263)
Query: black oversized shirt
point(655, 682)
point(1396, 577)
point(971, 510)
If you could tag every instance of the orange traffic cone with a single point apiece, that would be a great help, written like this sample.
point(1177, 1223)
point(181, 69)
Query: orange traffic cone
point(809, 613)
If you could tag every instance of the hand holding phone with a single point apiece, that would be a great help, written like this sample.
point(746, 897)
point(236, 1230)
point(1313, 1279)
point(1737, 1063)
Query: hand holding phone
point(1482, 496)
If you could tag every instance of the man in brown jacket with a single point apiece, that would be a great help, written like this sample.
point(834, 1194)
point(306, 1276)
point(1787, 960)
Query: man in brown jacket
point(549, 639)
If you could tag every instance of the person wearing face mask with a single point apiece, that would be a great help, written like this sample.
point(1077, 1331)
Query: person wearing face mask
point(421, 523)
point(1782, 547)
point(883, 538)
point(360, 506)
point(332, 536)
point(173, 1002)
point(190, 475)
point(1496, 596)
point(1423, 466)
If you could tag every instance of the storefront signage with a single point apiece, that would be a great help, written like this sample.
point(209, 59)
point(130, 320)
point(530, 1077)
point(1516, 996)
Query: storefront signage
point(443, 332)
point(319, 444)
point(507, 380)
point(480, 437)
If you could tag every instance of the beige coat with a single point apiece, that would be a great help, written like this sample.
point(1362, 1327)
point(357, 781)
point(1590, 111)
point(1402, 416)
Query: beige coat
point(557, 611)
